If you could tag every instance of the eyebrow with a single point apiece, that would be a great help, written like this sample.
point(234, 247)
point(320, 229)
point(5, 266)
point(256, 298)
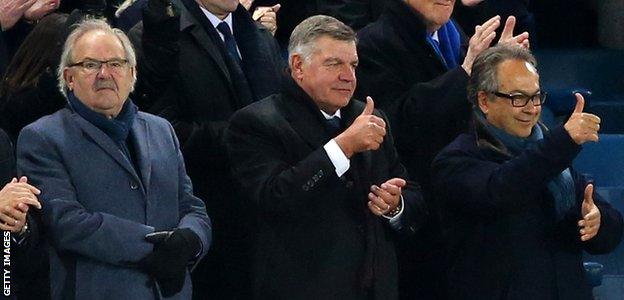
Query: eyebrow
point(539, 90)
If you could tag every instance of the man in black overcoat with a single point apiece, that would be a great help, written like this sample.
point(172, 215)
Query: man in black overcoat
point(323, 175)
point(200, 61)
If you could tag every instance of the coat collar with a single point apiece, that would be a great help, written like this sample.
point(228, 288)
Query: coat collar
point(487, 141)
point(140, 135)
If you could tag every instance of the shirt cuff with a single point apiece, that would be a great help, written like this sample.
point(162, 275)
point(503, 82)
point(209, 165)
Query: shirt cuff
point(338, 158)
point(395, 221)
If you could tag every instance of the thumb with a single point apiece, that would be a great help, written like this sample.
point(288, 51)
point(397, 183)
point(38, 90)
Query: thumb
point(14, 180)
point(23, 179)
point(370, 106)
point(580, 103)
point(400, 182)
point(589, 194)
point(276, 7)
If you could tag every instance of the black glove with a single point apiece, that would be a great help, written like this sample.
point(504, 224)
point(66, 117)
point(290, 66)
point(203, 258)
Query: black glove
point(167, 263)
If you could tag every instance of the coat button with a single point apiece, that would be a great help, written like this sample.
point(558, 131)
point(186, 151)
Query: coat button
point(349, 184)
point(134, 185)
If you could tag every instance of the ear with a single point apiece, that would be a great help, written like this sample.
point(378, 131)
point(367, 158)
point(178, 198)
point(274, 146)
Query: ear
point(483, 101)
point(296, 66)
point(69, 79)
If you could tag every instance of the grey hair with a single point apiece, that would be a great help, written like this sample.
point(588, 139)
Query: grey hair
point(484, 75)
point(305, 34)
point(81, 29)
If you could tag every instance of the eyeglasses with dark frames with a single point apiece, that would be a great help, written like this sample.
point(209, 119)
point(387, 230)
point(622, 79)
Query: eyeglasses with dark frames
point(93, 65)
point(521, 100)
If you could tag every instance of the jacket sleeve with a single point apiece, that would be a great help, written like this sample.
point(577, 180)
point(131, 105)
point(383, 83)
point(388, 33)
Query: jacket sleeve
point(478, 186)
point(415, 212)
point(192, 209)
point(70, 227)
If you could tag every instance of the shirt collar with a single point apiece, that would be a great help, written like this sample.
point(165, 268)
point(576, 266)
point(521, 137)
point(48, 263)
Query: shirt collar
point(328, 117)
point(435, 37)
point(214, 20)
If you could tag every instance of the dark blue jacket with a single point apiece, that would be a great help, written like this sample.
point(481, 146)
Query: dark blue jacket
point(499, 218)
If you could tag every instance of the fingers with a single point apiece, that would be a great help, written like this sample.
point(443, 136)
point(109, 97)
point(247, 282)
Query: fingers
point(400, 182)
point(580, 103)
point(370, 106)
point(7, 219)
point(275, 8)
point(510, 23)
point(375, 209)
point(14, 213)
point(391, 188)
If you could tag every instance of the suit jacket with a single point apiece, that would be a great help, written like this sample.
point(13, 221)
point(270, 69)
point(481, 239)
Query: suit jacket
point(97, 208)
point(316, 237)
point(428, 107)
point(505, 239)
point(198, 87)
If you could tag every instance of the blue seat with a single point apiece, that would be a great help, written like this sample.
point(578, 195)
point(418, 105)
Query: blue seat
point(603, 161)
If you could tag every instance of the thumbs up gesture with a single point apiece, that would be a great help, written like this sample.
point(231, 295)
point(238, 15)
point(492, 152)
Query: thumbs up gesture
point(366, 133)
point(582, 127)
point(590, 224)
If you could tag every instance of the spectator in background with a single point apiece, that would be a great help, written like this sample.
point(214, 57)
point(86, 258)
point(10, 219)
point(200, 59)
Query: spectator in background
point(16, 19)
point(415, 62)
point(517, 216)
point(29, 89)
point(201, 61)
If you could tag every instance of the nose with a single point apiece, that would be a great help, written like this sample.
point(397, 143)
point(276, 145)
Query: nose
point(347, 73)
point(104, 72)
point(531, 108)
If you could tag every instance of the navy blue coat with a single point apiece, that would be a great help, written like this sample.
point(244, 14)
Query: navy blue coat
point(97, 209)
point(499, 217)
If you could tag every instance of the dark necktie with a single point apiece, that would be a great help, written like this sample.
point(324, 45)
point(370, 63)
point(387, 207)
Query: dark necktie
point(333, 125)
point(230, 42)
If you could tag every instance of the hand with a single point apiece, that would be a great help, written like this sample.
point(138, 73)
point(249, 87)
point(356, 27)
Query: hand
point(366, 133)
point(15, 199)
point(481, 40)
point(582, 127)
point(590, 224)
point(13, 10)
point(40, 9)
point(246, 3)
point(267, 16)
point(386, 198)
point(508, 38)
point(167, 263)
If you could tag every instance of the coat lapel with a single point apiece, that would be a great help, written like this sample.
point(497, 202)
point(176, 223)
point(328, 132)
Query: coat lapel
point(203, 39)
point(142, 150)
point(304, 116)
point(105, 143)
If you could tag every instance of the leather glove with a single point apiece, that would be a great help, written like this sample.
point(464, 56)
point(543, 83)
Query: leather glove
point(167, 263)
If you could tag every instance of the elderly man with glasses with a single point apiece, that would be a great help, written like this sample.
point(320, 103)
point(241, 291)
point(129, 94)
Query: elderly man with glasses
point(518, 218)
point(117, 206)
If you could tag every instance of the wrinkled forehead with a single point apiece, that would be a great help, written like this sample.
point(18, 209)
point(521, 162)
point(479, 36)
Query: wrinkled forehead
point(98, 44)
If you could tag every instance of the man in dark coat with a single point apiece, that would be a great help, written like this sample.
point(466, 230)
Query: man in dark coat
point(323, 174)
point(199, 76)
point(415, 62)
point(517, 217)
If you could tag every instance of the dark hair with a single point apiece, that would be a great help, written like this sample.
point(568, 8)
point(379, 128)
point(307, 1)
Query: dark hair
point(40, 50)
point(484, 75)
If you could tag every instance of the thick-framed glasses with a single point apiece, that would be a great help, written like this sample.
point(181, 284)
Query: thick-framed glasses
point(91, 66)
point(521, 100)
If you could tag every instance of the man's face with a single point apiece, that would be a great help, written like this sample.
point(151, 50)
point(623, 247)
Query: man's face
point(221, 8)
point(435, 12)
point(328, 76)
point(106, 89)
point(514, 76)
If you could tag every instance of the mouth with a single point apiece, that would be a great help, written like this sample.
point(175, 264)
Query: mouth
point(445, 4)
point(526, 122)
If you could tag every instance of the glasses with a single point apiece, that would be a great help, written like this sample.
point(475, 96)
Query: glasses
point(521, 100)
point(91, 66)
